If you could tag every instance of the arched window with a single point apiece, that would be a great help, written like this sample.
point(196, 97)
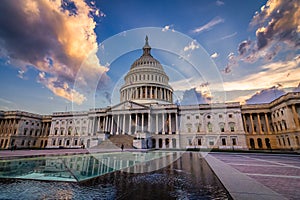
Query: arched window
point(222, 127)
point(252, 144)
point(259, 143)
point(232, 126)
point(209, 127)
point(268, 144)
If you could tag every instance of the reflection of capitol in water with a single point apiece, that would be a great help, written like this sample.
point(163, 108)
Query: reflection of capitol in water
point(147, 118)
point(170, 175)
point(83, 167)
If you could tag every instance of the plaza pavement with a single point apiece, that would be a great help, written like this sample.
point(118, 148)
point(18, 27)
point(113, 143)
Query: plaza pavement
point(244, 175)
point(257, 176)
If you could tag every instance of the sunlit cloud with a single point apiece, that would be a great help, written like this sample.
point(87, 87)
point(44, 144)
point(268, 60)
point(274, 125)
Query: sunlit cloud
point(214, 55)
point(191, 46)
point(209, 25)
point(285, 73)
point(55, 37)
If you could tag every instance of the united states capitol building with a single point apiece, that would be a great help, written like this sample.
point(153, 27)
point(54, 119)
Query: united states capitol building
point(146, 114)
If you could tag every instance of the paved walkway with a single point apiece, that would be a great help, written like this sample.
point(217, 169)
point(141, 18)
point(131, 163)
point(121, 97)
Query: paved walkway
point(257, 176)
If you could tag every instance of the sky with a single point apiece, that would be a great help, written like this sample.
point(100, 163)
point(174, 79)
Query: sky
point(73, 55)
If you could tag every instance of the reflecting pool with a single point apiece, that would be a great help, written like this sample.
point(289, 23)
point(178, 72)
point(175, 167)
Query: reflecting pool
point(122, 175)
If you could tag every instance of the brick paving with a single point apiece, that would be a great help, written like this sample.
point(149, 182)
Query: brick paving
point(279, 172)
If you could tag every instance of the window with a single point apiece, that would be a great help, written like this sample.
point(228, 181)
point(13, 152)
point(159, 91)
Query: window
point(232, 125)
point(230, 116)
point(233, 141)
point(223, 141)
point(23, 142)
point(220, 116)
point(26, 123)
point(259, 143)
point(69, 130)
point(31, 131)
point(55, 132)
point(188, 117)
point(208, 116)
point(61, 131)
point(199, 142)
point(190, 141)
point(222, 129)
point(197, 116)
point(53, 142)
point(209, 127)
point(198, 127)
point(211, 143)
point(25, 131)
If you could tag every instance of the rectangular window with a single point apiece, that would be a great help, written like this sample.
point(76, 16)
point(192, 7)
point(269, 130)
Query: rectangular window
point(223, 141)
point(233, 141)
point(199, 142)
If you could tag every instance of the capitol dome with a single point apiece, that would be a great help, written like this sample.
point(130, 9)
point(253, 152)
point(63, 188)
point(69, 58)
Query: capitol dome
point(146, 82)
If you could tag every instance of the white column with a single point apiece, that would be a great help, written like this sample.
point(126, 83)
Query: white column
point(149, 124)
point(142, 122)
point(163, 123)
point(146, 92)
point(123, 131)
point(170, 124)
point(106, 124)
point(112, 125)
point(176, 123)
point(129, 128)
point(156, 123)
point(155, 93)
point(118, 124)
point(136, 123)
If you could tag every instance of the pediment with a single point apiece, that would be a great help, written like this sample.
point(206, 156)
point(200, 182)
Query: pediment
point(128, 105)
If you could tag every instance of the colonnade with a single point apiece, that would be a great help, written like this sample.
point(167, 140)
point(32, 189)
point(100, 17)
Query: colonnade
point(253, 126)
point(146, 92)
point(132, 123)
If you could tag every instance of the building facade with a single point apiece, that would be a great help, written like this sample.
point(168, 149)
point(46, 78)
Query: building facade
point(147, 113)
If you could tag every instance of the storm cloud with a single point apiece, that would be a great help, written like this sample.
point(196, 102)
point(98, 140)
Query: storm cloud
point(56, 38)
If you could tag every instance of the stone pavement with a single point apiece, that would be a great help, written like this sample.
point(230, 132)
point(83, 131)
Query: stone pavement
point(257, 176)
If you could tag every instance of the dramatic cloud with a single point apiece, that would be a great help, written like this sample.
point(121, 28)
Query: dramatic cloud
point(191, 46)
point(209, 25)
point(192, 97)
point(55, 37)
point(278, 30)
point(214, 55)
point(266, 95)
